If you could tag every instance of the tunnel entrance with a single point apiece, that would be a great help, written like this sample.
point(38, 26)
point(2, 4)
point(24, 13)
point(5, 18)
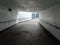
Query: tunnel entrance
point(26, 16)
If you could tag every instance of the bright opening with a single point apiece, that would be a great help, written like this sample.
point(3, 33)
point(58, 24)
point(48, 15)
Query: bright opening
point(23, 16)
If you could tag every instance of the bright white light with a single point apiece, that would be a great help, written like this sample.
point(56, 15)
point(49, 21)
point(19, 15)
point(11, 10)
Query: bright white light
point(24, 15)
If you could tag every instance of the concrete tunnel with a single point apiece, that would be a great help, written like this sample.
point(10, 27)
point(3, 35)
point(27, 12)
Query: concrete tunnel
point(17, 27)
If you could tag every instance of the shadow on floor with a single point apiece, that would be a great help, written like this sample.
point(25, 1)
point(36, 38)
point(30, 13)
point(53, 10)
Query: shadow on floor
point(26, 33)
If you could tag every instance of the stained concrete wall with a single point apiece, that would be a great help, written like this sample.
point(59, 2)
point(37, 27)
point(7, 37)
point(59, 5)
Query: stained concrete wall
point(8, 18)
point(50, 19)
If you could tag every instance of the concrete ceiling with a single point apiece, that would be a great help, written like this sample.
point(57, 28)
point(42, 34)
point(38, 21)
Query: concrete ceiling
point(29, 4)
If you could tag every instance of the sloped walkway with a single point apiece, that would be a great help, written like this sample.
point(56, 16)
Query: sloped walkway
point(26, 33)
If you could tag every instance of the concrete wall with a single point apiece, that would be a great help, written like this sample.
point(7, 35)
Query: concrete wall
point(50, 19)
point(8, 18)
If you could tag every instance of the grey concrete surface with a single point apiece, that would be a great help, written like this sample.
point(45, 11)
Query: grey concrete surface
point(51, 16)
point(26, 33)
point(32, 5)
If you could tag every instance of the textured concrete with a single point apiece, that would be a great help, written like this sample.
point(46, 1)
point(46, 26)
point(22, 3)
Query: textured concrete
point(26, 33)
point(52, 16)
point(29, 4)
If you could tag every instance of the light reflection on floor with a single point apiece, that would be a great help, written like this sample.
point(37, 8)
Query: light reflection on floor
point(26, 33)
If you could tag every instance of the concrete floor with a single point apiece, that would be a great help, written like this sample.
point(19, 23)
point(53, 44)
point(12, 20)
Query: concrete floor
point(26, 33)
